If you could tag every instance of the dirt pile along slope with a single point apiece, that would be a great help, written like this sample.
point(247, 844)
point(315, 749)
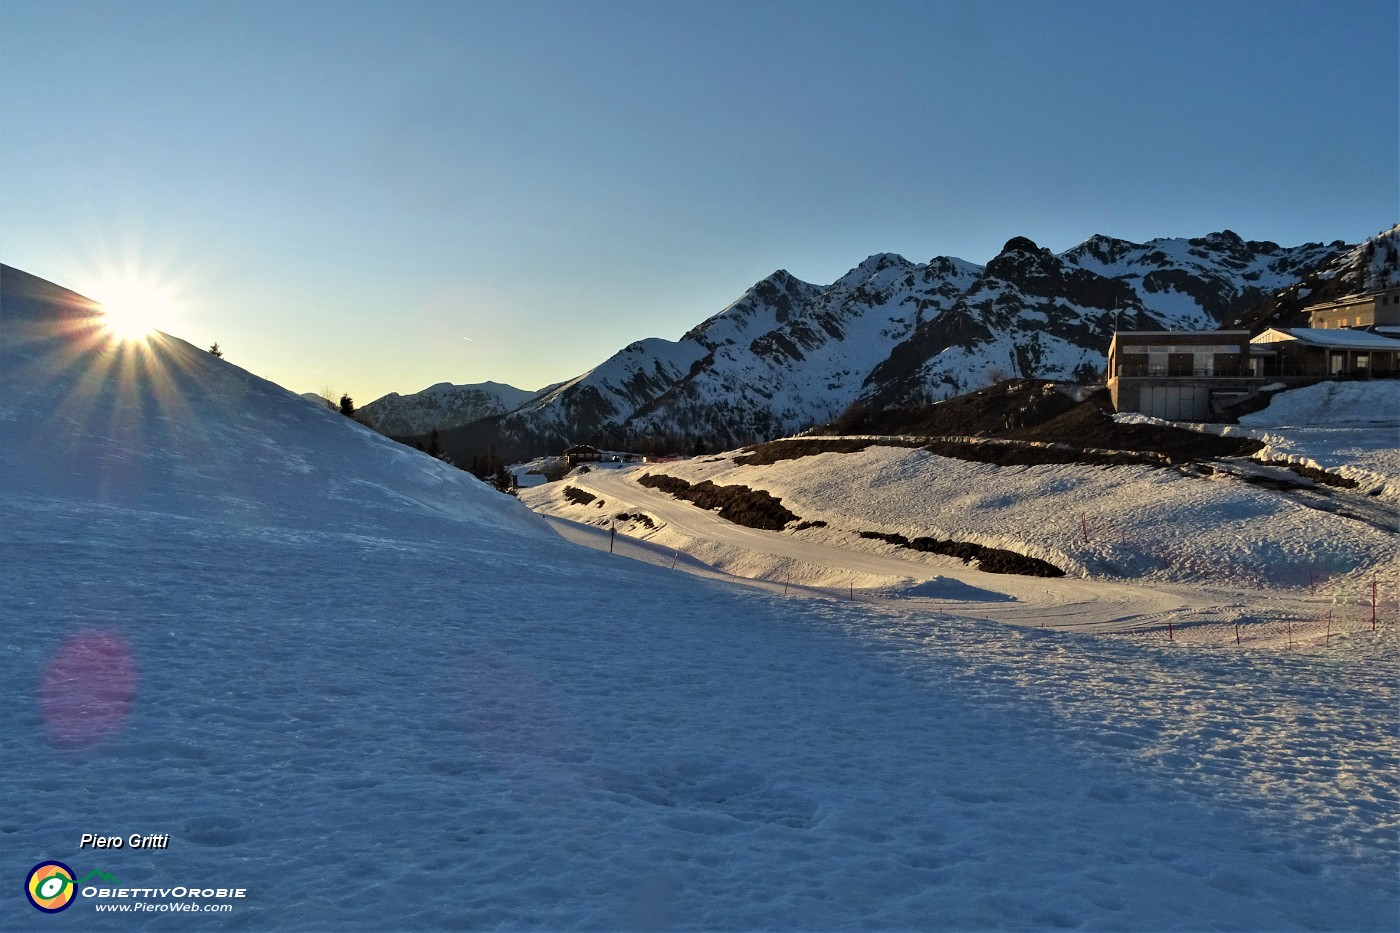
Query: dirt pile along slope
point(1078, 419)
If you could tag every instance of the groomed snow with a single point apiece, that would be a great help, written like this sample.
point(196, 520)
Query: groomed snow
point(379, 696)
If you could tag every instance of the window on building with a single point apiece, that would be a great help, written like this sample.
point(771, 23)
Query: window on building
point(1133, 364)
point(1227, 364)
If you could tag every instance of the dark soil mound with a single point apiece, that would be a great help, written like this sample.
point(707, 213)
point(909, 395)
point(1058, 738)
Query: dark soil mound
point(752, 508)
point(1090, 425)
point(574, 494)
point(793, 448)
point(989, 412)
point(989, 559)
point(1020, 410)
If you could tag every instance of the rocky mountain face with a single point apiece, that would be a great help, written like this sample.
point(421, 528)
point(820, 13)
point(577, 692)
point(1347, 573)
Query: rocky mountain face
point(440, 406)
point(789, 354)
point(1033, 314)
point(1366, 267)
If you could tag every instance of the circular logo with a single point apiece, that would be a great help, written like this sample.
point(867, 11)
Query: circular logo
point(49, 886)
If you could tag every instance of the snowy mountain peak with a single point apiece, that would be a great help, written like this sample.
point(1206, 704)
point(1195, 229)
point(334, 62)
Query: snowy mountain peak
point(1105, 250)
point(872, 267)
point(1022, 259)
point(441, 405)
point(765, 304)
point(1020, 244)
point(787, 354)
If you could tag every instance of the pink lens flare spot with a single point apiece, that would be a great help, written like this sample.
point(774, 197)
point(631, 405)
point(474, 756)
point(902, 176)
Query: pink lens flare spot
point(88, 688)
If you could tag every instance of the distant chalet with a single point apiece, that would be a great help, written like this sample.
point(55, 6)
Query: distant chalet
point(586, 453)
point(1201, 375)
point(582, 453)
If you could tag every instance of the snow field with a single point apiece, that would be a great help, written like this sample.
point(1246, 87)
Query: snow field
point(379, 696)
point(392, 730)
point(1328, 615)
point(1140, 523)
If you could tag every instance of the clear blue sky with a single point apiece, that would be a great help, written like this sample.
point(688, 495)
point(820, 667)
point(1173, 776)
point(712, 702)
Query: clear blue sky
point(339, 192)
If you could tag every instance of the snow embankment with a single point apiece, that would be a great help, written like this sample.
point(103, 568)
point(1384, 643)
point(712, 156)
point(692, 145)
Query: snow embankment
point(1128, 522)
point(1351, 429)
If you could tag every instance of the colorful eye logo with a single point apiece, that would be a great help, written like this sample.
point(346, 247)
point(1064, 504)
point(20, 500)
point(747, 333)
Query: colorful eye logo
point(49, 886)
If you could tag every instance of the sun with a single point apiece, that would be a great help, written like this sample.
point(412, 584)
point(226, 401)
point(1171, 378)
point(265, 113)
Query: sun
point(133, 309)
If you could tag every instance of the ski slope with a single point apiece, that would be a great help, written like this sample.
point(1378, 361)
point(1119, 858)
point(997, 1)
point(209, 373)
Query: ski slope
point(376, 695)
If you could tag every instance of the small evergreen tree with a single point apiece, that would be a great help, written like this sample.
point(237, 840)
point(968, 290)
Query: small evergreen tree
point(347, 406)
point(214, 350)
point(434, 446)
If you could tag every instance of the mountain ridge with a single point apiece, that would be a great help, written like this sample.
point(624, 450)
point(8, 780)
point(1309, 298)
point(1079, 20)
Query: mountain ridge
point(788, 354)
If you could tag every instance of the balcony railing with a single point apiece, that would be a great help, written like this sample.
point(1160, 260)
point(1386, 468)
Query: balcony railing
point(1284, 372)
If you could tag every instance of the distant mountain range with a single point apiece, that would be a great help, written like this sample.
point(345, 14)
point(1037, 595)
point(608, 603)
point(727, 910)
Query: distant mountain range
point(788, 354)
point(441, 406)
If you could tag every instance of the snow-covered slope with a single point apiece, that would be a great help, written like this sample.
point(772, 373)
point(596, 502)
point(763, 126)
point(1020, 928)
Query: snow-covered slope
point(373, 694)
point(788, 354)
point(809, 366)
point(1163, 525)
point(441, 406)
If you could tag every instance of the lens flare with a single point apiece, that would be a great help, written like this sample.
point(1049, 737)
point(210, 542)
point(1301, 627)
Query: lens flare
point(88, 688)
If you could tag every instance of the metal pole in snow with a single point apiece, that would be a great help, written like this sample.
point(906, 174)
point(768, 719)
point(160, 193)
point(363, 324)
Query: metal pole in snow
point(1084, 527)
point(1237, 633)
point(612, 535)
point(675, 557)
point(1170, 636)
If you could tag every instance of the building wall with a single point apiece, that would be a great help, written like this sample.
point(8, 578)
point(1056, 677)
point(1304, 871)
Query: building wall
point(1364, 311)
point(1181, 354)
point(1178, 399)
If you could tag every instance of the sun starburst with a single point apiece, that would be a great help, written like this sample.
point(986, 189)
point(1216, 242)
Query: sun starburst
point(134, 309)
